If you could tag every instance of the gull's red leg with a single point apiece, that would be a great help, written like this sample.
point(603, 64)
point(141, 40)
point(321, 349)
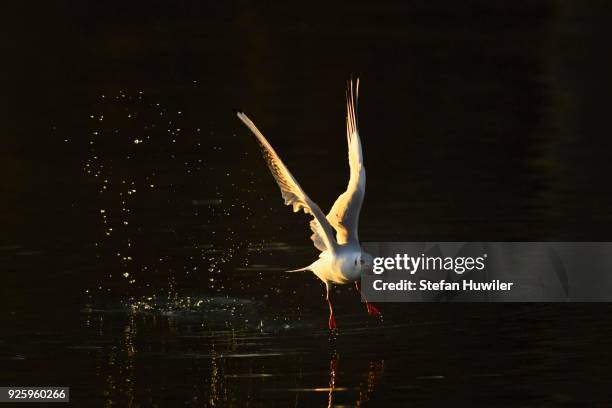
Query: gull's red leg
point(332, 319)
point(372, 310)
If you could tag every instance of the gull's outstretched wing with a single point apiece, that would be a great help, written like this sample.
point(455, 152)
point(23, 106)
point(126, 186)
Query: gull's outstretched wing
point(292, 193)
point(344, 215)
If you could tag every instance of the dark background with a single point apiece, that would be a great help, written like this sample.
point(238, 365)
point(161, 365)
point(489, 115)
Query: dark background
point(480, 120)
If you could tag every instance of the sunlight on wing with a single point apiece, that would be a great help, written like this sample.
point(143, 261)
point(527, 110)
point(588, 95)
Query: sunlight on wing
point(292, 192)
point(344, 215)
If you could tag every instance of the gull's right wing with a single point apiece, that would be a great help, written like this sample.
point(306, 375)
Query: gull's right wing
point(344, 215)
point(292, 193)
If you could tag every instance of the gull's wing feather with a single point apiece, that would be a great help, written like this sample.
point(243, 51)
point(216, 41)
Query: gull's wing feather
point(344, 215)
point(292, 193)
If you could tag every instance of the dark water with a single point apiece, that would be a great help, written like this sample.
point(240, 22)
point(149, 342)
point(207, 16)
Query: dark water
point(144, 240)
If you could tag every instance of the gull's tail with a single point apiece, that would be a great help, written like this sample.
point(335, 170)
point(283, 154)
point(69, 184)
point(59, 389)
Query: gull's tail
point(305, 269)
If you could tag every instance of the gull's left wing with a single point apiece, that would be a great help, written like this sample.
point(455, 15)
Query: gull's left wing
point(344, 215)
point(323, 236)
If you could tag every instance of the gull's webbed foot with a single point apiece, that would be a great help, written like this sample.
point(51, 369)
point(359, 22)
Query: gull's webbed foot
point(373, 310)
point(332, 322)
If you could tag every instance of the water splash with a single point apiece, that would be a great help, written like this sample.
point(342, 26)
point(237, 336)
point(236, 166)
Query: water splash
point(164, 223)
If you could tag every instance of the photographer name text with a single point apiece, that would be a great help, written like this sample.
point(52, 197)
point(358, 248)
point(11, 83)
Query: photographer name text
point(442, 285)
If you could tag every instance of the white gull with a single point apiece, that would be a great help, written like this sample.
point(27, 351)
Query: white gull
point(341, 260)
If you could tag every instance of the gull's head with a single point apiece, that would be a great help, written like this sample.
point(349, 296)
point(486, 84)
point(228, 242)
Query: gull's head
point(364, 262)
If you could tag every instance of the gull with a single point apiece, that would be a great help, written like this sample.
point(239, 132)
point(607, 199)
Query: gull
point(342, 259)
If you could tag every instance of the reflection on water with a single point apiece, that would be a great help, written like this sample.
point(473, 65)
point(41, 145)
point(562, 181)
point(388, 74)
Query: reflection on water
point(116, 365)
point(364, 389)
point(192, 358)
point(229, 363)
point(373, 374)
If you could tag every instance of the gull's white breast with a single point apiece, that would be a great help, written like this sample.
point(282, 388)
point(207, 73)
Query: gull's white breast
point(339, 268)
